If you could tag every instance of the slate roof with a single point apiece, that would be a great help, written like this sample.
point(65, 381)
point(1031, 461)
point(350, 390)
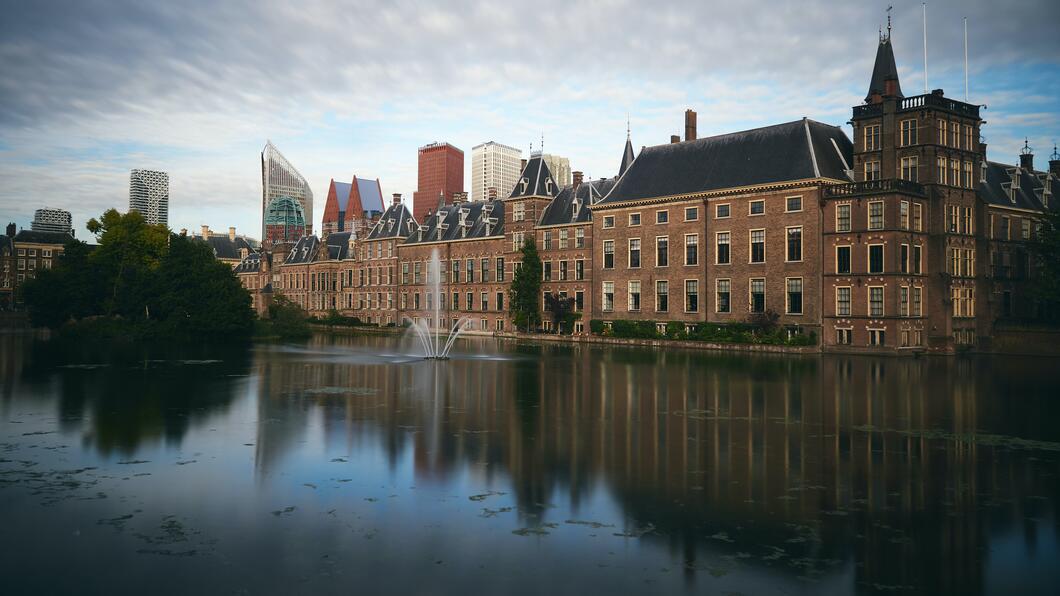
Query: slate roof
point(225, 248)
point(394, 223)
point(571, 205)
point(39, 237)
point(884, 69)
point(997, 189)
point(342, 194)
point(799, 150)
point(627, 157)
point(6, 244)
point(304, 251)
point(250, 264)
point(535, 180)
point(371, 195)
point(338, 245)
point(475, 214)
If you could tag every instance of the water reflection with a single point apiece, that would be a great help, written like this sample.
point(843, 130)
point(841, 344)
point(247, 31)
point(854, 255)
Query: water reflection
point(753, 473)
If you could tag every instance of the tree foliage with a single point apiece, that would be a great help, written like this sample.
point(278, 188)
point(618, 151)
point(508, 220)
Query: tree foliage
point(525, 290)
point(139, 273)
point(1047, 250)
point(560, 309)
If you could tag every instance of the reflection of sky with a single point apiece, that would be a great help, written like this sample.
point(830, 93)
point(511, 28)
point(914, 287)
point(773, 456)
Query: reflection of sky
point(419, 475)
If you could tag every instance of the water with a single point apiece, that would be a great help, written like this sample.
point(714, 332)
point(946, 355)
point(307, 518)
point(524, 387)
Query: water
point(350, 465)
point(435, 344)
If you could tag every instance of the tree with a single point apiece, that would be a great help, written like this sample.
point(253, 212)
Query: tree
point(67, 291)
point(1046, 248)
point(526, 288)
point(129, 250)
point(560, 308)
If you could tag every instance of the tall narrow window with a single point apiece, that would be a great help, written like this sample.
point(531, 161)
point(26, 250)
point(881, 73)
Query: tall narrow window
point(634, 253)
point(842, 218)
point(724, 291)
point(876, 301)
point(691, 249)
point(758, 246)
point(842, 259)
point(909, 132)
point(794, 302)
point(875, 258)
point(579, 238)
point(909, 169)
point(609, 254)
point(872, 171)
point(917, 259)
point(872, 137)
point(662, 296)
point(876, 215)
point(691, 295)
point(579, 270)
point(903, 259)
point(500, 268)
point(918, 309)
point(842, 301)
point(795, 244)
point(940, 168)
point(662, 251)
point(903, 301)
point(634, 295)
point(722, 253)
point(918, 217)
point(608, 296)
point(903, 215)
point(758, 295)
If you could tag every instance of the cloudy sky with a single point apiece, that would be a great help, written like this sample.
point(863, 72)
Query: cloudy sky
point(92, 89)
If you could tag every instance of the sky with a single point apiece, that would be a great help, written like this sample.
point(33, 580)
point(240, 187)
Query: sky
point(90, 89)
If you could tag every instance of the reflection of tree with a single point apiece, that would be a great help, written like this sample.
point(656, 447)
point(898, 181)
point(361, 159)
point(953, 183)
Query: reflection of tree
point(134, 393)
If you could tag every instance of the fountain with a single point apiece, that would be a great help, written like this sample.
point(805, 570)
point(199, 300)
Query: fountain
point(431, 339)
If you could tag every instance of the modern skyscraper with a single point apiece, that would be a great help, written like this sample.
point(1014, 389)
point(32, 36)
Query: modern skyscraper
point(441, 173)
point(149, 194)
point(52, 220)
point(494, 166)
point(560, 168)
point(280, 179)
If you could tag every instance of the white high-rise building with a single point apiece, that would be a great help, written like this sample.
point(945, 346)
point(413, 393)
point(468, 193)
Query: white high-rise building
point(560, 168)
point(149, 194)
point(280, 179)
point(494, 166)
point(52, 220)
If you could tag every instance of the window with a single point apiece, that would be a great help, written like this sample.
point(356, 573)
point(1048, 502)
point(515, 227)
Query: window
point(691, 213)
point(966, 218)
point(916, 259)
point(903, 215)
point(609, 254)
point(952, 219)
point(941, 130)
point(875, 258)
point(484, 301)
point(968, 144)
point(918, 217)
point(842, 259)
point(563, 270)
point(842, 301)
point(634, 253)
point(691, 295)
point(500, 268)
point(872, 171)
point(793, 204)
point(579, 300)
point(955, 132)
point(609, 296)
point(579, 269)
point(903, 259)
point(876, 215)
point(470, 301)
point(842, 218)
point(794, 302)
point(721, 211)
point(876, 337)
point(724, 292)
point(908, 132)
point(634, 303)
point(517, 241)
point(546, 240)
point(966, 175)
point(546, 271)
point(662, 251)
point(456, 300)
point(843, 336)
point(757, 207)
point(470, 269)
point(903, 301)
point(758, 246)
point(691, 249)
point(940, 167)
point(519, 212)
point(955, 172)
point(795, 244)
point(484, 268)
point(662, 217)
point(872, 137)
point(454, 271)
point(875, 301)
point(909, 169)
point(1005, 235)
point(579, 238)
point(662, 296)
point(563, 234)
point(634, 219)
point(917, 302)
point(758, 295)
point(1025, 231)
point(404, 274)
point(721, 255)
point(609, 221)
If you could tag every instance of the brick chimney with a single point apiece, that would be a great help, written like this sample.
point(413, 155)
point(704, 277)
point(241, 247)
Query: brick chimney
point(396, 200)
point(1054, 168)
point(205, 232)
point(577, 178)
point(675, 138)
point(522, 165)
point(1026, 157)
point(11, 229)
point(231, 233)
point(459, 197)
point(690, 125)
point(491, 192)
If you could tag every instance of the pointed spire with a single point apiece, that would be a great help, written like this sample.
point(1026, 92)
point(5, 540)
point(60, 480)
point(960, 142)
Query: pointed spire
point(627, 152)
point(884, 82)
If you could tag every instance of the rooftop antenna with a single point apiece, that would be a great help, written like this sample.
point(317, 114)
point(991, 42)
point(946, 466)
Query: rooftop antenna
point(924, 5)
point(542, 141)
point(627, 126)
point(965, 59)
point(1055, 156)
point(1027, 147)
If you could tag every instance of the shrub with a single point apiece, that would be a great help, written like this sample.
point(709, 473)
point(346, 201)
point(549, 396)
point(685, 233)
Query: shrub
point(596, 326)
point(675, 330)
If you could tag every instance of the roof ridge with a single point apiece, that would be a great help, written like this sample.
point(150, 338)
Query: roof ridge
point(809, 143)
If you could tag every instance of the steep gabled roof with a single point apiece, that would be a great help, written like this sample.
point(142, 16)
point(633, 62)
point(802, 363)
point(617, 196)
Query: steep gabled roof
point(393, 223)
point(338, 245)
point(572, 205)
point(997, 189)
point(627, 157)
point(225, 248)
point(449, 217)
point(371, 195)
point(303, 251)
point(342, 194)
point(250, 264)
point(535, 180)
point(884, 70)
point(799, 150)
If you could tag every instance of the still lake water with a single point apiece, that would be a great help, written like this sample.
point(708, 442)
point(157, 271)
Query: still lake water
point(347, 465)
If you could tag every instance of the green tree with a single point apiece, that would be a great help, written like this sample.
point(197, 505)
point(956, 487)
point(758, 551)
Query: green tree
point(560, 309)
point(1046, 248)
point(129, 251)
point(525, 290)
point(67, 291)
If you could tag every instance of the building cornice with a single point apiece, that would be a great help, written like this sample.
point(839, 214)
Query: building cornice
point(724, 192)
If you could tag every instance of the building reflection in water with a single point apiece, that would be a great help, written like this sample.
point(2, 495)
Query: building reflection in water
point(900, 469)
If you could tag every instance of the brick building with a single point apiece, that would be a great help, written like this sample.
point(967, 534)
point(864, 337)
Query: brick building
point(351, 204)
point(440, 174)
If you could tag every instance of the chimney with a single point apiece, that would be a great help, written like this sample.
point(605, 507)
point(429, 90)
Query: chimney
point(675, 138)
point(577, 177)
point(1027, 157)
point(205, 232)
point(491, 192)
point(522, 165)
point(11, 229)
point(690, 125)
point(396, 199)
point(459, 197)
point(231, 233)
point(1054, 167)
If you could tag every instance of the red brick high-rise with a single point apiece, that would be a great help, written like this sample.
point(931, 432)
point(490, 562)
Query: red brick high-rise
point(441, 171)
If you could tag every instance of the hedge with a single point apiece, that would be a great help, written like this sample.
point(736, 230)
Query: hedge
point(734, 333)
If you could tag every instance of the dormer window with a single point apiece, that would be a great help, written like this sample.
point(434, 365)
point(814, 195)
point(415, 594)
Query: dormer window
point(982, 172)
point(548, 186)
point(524, 182)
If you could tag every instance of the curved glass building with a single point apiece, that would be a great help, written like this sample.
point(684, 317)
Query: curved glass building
point(280, 179)
point(284, 220)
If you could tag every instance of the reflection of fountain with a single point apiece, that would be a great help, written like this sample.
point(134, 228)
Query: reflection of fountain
point(431, 340)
